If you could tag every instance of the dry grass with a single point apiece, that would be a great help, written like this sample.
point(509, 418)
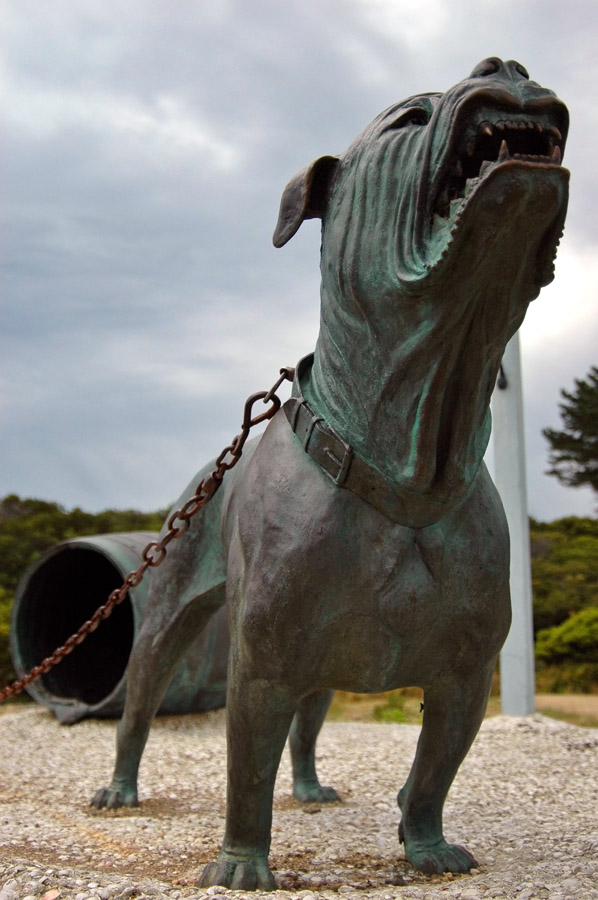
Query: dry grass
point(404, 706)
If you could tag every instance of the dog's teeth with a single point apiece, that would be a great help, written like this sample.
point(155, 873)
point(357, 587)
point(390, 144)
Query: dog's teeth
point(503, 153)
point(556, 157)
point(485, 166)
point(469, 186)
point(486, 128)
point(553, 130)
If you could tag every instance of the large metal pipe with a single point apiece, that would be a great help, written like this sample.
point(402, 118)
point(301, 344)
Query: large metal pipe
point(61, 591)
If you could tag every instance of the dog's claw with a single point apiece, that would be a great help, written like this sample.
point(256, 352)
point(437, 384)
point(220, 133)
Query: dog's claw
point(314, 792)
point(439, 858)
point(232, 872)
point(110, 798)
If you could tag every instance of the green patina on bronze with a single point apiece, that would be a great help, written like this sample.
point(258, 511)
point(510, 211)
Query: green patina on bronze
point(365, 548)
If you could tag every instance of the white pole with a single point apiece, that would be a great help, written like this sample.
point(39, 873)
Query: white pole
point(517, 673)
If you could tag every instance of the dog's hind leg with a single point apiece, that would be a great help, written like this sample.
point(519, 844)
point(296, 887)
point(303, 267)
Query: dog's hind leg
point(454, 710)
point(310, 715)
point(184, 593)
point(159, 647)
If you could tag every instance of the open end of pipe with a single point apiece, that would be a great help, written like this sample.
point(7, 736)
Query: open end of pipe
point(61, 595)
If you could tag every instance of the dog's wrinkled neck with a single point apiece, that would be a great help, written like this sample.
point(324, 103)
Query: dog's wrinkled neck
point(416, 410)
point(407, 379)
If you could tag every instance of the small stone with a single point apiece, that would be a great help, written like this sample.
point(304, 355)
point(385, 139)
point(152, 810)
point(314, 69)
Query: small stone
point(106, 892)
point(216, 889)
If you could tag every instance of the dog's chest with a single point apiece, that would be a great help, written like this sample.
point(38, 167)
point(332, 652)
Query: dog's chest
point(396, 569)
point(327, 591)
point(387, 608)
point(356, 613)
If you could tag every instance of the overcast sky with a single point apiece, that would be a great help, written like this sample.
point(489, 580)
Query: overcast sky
point(146, 147)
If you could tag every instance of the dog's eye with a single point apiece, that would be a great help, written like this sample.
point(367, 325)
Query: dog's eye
point(413, 115)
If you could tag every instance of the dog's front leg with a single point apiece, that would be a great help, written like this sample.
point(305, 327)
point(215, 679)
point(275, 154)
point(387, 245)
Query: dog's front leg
point(454, 710)
point(259, 714)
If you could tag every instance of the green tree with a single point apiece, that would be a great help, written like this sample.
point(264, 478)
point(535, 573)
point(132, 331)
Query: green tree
point(564, 568)
point(6, 670)
point(575, 640)
point(574, 451)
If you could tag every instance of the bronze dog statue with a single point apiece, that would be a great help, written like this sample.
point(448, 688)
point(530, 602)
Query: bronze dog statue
point(360, 542)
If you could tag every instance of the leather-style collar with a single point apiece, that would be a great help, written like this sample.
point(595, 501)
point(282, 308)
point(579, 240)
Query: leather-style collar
point(348, 470)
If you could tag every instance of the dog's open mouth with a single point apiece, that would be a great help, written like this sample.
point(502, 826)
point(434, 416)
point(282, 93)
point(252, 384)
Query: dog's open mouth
point(491, 138)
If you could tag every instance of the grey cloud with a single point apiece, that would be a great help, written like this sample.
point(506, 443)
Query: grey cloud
point(147, 148)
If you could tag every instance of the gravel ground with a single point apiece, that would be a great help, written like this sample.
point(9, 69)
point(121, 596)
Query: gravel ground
point(525, 802)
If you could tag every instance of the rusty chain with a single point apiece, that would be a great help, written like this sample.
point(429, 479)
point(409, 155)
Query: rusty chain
point(177, 525)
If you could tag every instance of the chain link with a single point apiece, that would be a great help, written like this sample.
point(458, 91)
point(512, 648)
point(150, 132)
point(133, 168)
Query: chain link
point(178, 523)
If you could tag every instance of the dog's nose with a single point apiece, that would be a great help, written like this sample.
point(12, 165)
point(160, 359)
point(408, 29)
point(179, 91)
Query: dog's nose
point(511, 70)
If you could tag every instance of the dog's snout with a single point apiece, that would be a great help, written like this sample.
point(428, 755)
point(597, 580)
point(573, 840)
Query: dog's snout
point(510, 70)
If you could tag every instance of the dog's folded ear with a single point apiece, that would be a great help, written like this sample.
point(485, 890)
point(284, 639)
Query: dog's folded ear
point(304, 197)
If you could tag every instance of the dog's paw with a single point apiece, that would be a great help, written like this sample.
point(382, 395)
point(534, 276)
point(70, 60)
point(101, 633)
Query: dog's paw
point(440, 857)
point(314, 792)
point(250, 874)
point(114, 798)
